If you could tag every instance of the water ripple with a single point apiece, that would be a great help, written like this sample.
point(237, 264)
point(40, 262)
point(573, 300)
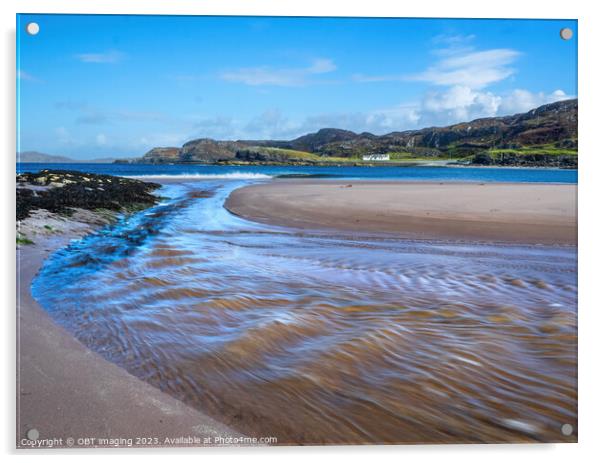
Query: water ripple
point(324, 338)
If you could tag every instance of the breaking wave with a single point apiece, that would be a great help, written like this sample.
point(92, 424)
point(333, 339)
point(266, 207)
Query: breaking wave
point(227, 176)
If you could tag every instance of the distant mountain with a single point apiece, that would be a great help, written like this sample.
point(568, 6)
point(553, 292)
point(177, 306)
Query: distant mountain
point(544, 135)
point(37, 157)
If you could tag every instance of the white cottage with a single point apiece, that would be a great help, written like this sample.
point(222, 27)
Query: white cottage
point(375, 157)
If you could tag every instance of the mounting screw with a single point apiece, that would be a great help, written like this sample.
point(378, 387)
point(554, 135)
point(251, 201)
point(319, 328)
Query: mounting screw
point(566, 429)
point(566, 33)
point(32, 28)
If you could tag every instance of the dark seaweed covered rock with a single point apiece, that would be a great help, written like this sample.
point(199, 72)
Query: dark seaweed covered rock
point(62, 190)
point(526, 160)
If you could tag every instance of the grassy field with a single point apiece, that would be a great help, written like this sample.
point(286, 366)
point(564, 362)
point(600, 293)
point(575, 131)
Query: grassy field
point(292, 154)
point(302, 155)
point(306, 156)
point(402, 157)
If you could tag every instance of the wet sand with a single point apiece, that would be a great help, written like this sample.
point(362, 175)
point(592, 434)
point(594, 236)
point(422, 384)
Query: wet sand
point(64, 390)
point(518, 213)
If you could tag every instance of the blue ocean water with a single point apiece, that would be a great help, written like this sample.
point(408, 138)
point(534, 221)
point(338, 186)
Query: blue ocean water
point(464, 174)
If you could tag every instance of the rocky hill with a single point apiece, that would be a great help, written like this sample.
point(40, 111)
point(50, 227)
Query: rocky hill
point(542, 136)
point(159, 155)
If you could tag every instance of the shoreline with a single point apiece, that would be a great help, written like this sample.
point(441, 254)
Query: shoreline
point(66, 391)
point(518, 213)
point(412, 164)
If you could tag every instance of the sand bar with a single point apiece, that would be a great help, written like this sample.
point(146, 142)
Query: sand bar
point(500, 212)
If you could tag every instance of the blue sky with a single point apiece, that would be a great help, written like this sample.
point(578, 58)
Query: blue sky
point(116, 86)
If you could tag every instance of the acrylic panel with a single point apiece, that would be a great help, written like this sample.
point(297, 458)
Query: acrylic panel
point(295, 231)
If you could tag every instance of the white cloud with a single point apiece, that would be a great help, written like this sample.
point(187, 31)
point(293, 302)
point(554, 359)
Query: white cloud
point(111, 56)
point(457, 104)
point(474, 69)
point(284, 77)
point(519, 101)
point(459, 66)
point(463, 104)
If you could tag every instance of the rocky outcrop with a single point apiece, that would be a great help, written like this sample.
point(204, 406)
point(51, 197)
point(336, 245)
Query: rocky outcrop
point(60, 191)
point(208, 150)
point(526, 160)
point(162, 155)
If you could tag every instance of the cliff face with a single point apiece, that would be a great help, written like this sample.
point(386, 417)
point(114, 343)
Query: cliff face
point(161, 155)
point(545, 130)
point(208, 150)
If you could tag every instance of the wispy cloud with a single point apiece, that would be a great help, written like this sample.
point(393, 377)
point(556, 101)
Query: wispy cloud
point(435, 108)
point(472, 69)
point(450, 44)
point(450, 40)
point(88, 114)
point(26, 76)
point(476, 69)
point(363, 78)
point(108, 57)
point(283, 77)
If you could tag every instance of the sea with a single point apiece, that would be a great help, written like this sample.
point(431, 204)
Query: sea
point(322, 337)
point(423, 173)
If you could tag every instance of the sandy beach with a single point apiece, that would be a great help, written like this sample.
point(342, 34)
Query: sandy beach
point(518, 213)
point(64, 390)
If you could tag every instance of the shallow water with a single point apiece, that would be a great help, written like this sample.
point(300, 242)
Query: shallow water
point(326, 338)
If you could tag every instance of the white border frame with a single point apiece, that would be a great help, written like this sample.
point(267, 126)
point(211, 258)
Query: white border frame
point(590, 193)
